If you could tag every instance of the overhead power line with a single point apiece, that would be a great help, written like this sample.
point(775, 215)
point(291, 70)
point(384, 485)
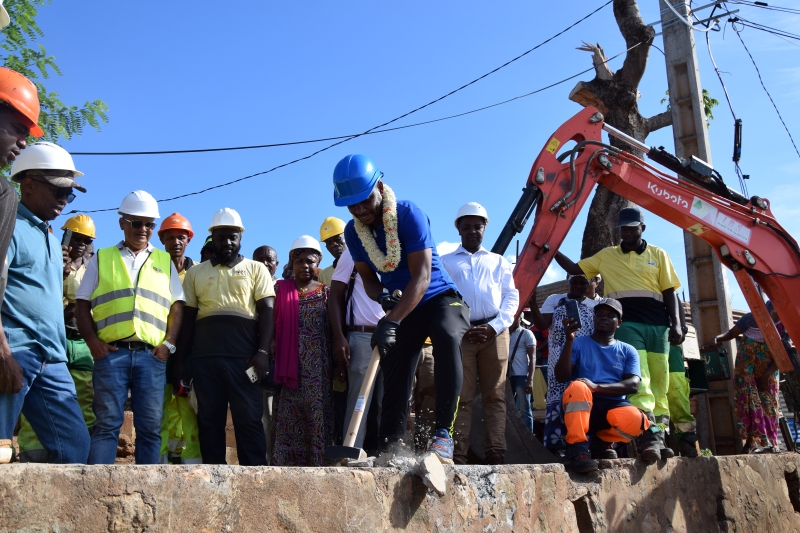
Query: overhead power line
point(348, 138)
point(764, 5)
point(739, 35)
point(454, 91)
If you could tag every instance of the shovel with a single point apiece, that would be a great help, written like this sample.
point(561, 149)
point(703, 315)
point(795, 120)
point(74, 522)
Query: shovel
point(348, 452)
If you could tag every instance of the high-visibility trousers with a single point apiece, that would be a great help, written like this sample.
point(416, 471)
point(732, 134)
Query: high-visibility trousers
point(678, 394)
point(179, 431)
point(652, 344)
point(616, 424)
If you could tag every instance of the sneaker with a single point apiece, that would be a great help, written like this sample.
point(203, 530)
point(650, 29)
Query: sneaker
point(649, 447)
point(442, 444)
point(688, 445)
point(584, 464)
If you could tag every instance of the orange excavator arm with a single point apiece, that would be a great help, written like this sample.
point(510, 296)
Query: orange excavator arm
point(743, 232)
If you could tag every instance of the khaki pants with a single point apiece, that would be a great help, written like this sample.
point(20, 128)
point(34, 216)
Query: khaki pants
point(487, 361)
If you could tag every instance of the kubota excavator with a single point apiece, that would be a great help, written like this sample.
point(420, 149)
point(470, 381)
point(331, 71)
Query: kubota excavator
point(743, 232)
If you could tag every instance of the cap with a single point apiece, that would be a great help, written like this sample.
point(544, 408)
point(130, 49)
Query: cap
point(62, 181)
point(612, 303)
point(630, 216)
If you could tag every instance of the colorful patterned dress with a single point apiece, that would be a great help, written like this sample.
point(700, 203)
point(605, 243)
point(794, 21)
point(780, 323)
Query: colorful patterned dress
point(757, 410)
point(304, 418)
point(555, 433)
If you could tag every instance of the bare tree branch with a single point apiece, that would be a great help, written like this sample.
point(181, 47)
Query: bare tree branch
point(633, 29)
point(599, 60)
point(656, 122)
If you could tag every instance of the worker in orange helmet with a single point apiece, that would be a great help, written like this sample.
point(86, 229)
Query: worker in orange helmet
point(179, 433)
point(19, 118)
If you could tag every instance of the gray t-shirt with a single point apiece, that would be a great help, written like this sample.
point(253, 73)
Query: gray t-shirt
point(519, 366)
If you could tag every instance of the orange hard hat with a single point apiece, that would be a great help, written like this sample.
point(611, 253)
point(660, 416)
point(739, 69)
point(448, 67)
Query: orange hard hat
point(176, 221)
point(20, 93)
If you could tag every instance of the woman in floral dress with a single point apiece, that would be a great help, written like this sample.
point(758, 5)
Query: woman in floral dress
point(303, 350)
point(756, 385)
point(552, 316)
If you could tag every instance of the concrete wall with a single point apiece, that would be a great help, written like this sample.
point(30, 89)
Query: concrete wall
point(742, 494)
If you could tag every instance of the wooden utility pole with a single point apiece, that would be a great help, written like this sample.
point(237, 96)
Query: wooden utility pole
point(708, 288)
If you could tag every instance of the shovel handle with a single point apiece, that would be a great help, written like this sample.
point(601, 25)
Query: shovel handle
point(363, 394)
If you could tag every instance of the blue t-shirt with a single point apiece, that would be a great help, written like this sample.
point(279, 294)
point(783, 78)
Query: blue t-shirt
point(33, 313)
point(604, 364)
point(414, 230)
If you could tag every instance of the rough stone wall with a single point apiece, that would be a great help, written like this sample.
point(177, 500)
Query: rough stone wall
point(727, 494)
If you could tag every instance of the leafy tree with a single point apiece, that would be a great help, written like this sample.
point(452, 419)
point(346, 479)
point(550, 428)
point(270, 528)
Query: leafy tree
point(18, 52)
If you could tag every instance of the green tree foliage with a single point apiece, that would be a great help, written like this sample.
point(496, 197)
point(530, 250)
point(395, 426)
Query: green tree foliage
point(18, 52)
point(709, 104)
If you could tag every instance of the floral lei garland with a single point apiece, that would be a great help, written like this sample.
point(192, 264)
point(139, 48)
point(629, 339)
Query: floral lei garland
point(388, 262)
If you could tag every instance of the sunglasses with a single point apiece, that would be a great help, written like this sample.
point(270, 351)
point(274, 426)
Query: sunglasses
point(59, 192)
point(137, 224)
point(84, 240)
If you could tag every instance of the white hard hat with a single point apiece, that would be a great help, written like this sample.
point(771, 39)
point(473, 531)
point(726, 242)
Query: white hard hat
point(43, 156)
point(473, 209)
point(139, 204)
point(306, 241)
point(226, 217)
point(5, 20)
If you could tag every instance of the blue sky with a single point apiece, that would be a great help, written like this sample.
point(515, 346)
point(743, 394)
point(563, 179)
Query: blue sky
point(181, 75)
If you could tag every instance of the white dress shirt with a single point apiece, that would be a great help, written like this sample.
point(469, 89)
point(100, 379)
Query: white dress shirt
point(486, 282)
point(134, 262)
point(366, 311)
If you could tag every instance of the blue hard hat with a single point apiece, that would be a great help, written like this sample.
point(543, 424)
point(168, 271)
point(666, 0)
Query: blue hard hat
point(353, 179)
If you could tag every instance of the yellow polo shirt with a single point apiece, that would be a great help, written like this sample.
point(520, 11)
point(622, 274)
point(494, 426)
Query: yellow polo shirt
point(225, 296)
point(636, 279)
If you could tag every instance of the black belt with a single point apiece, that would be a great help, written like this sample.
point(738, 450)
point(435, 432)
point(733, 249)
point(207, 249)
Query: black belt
point(131, 345)
point(361, 329)
point(481, 321)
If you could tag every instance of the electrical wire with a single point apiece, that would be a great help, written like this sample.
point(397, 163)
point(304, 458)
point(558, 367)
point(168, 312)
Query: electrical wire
point(371, 130)
point(763, 5)
point(768, 29)
point(739, 35)
point(688, 21)
point(368, 132)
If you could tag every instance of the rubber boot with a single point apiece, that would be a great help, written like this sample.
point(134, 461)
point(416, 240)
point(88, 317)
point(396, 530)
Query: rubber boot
point(666, 451)
point(688, 444)
point(649, 446)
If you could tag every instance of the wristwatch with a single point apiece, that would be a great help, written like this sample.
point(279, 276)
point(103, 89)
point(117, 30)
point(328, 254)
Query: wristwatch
point(171, 347)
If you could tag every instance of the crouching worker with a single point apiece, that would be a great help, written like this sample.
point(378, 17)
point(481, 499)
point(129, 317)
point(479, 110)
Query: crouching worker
point(605, 370)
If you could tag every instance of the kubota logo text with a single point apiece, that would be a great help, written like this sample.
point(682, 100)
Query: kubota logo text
point(668, 195)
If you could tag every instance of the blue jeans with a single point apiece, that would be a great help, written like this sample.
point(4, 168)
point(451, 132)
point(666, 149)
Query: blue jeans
point(49, 402)
point(523, 400)
point(145, 376)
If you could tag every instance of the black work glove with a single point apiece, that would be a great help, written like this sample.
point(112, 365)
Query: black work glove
point(384, 336)
point(387, 301)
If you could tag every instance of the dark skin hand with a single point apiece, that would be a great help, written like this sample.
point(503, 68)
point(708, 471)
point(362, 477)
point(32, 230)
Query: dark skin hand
point(83, 317)
point(606, 322)
point(184, 347)
point(10, 371)
point(14, 133)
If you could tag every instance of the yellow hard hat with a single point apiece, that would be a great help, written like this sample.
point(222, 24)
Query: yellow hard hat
point(82, 224)
point(331, 227)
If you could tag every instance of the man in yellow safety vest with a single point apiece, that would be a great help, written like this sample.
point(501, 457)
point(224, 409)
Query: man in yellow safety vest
point(129, 308)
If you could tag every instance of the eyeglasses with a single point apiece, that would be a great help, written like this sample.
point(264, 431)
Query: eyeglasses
point(84, 240)
point(59, 192)
point(137, 224)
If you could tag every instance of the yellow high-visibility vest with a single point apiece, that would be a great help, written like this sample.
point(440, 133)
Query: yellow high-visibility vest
point(119, 310)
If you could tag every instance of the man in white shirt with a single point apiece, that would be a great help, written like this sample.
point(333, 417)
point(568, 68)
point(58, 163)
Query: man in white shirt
point(486, 282)
point(128, 309)
point(351, 340)
point(521, 361)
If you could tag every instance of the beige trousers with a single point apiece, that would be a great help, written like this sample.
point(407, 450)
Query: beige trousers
point(486, 362)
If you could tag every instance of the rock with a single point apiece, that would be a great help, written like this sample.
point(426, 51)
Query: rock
point(432, 473)
point(369, 462)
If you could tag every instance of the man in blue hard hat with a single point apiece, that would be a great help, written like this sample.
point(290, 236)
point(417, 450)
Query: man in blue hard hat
point(393, 239)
